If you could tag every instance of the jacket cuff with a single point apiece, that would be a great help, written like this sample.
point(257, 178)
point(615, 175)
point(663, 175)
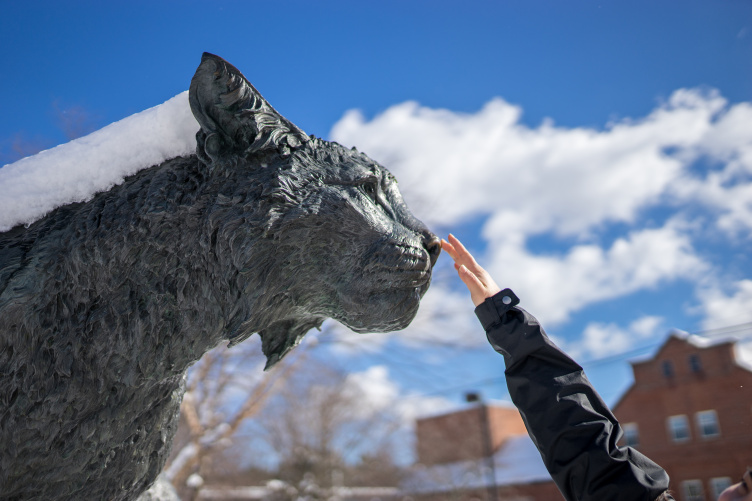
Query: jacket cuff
point(490, 311)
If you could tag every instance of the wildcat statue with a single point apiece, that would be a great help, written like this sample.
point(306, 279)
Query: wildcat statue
point(105, 304)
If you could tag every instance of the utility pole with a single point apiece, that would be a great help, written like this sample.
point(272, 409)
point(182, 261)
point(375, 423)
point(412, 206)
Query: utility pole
point(485, 432)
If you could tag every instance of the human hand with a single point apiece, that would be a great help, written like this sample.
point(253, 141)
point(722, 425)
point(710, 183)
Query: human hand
point(478, 281)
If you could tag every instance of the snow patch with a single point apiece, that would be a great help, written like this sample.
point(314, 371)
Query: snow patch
point(75, 171)
point(516, 462)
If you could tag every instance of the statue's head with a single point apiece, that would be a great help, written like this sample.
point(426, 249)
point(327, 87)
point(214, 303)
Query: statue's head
point(333, 237)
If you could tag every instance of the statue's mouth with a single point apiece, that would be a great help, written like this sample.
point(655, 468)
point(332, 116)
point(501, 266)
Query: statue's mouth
point(389, 310)
point(407, 268)
point(410, 279)
point(392, 283)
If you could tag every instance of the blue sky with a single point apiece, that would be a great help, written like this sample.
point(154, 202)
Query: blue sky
point(595, 156)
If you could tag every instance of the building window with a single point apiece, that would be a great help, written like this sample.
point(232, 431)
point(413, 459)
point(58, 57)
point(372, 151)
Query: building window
point(631, 434)
point(693, 490)
point(694, 363)
point(707, 424)
point(678, 427)
point(718, 485)
point(668, 369)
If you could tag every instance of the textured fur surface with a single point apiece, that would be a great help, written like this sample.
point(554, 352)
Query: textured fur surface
point(105, 304)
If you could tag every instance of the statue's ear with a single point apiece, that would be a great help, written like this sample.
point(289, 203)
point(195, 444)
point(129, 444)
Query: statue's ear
point(233, 116)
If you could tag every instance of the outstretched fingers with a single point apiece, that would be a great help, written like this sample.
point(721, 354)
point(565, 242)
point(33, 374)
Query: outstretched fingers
point(478, 281)
point(458, 252)
point(462, 256)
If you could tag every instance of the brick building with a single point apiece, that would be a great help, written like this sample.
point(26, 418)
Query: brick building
point(690, 410)
point(481, 452)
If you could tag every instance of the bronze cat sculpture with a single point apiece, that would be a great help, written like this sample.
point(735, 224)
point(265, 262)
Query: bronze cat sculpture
point(105, 304)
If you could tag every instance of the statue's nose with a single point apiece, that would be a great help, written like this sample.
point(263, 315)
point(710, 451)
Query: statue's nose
point(432, 243)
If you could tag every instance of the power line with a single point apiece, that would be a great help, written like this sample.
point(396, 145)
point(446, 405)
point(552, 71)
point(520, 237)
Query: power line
point(726, 331)
point(599, 361)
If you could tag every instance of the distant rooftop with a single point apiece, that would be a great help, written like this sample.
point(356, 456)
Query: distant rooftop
point(740, 336)
point(505, 404)
point(516, 462)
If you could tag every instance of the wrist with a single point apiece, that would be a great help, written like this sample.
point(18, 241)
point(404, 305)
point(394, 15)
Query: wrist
point(491, 310)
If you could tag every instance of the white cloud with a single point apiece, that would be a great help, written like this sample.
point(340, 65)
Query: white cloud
point(732, 202)
point(600, 340)
point(389, 409)
point(374, 385)
point(446, 316)
point(554, 286)
point(379, 394)
point(730, 138)
point(452, 166)
point(724, 310)
point(726, 190)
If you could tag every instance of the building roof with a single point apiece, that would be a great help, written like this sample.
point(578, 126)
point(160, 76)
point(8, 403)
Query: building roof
point(737, 336)
point(257, 493)
point(516, 462)
point(742, 346)
point(464, 406)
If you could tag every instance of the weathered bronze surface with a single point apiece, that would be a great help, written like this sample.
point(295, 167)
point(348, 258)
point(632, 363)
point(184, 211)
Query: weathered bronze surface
point(105, 304)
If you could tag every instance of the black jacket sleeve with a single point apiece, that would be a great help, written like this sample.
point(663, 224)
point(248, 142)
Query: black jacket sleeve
point(571, 426)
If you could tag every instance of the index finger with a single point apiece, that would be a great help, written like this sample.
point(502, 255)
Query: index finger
point(462, 255)
point(449, 248)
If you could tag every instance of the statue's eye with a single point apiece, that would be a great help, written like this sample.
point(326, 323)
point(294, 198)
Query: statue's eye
point(370, 189)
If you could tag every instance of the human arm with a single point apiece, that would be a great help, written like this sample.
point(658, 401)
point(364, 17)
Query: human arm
point(573, 429)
